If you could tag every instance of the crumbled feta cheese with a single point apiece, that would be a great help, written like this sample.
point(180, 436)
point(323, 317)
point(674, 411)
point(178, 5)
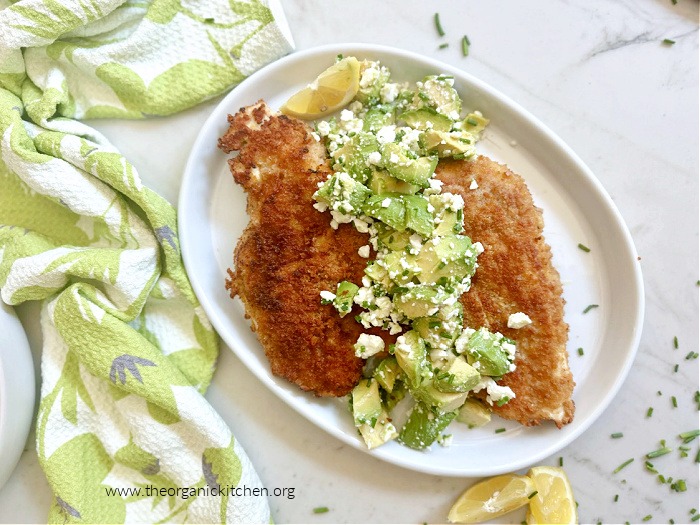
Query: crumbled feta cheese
point(367, 345)
point(374, 158)
point(327, 296)
point(321, 206)
point(394, 158)
point(369, 76)
point(360, 225)
point(324, 128)
point(316, 136)
point(518, 320)
point(386, 134)
point(389, 92)
point(363, 251)
point(435, 185)
point(494, 391)
point(479, 248)
point(386, 203)
point(473, 185)
point(346, 115)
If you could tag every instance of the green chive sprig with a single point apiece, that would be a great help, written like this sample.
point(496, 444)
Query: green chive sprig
point(584, 247)
point(623, 465)
point(465, 45)
point(438, 25)
point(589, 308)
point(321, 510)
point(658, 452)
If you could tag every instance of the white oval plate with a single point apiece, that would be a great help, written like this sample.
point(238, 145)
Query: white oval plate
point(17, 389)
point(576, 210)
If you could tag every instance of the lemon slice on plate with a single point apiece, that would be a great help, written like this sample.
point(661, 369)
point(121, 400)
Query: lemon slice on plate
point(332, 89)
point(554, 501)
point(491, 498)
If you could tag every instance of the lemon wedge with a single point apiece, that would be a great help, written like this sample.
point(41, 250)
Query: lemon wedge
point(332, 90)
point(491, 498)
point(554, 501)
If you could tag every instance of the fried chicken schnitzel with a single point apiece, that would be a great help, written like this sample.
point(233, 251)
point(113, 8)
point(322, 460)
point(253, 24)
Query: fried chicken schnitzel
point(288, 254)
point(515, 275)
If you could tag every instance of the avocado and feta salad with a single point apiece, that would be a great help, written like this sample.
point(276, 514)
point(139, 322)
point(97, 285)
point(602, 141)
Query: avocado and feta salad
point(384, 148)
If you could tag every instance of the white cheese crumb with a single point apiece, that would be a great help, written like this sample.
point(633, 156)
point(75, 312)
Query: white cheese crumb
point(374, 158)
point(363, 251)
point(389, 92)
point(518, 320)
point(321, 206)
point(324, 128)
point(386, 203)
point(386, 134)
point(367, 345)
point(473, 185)
point(327, 296)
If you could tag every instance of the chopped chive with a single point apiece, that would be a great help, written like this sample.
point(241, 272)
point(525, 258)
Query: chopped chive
point(689, 436)
point(674, 402)
point(674, 2)
point(532, 495)
point(580, 351)
point(668, 41)
point(584, 247)
point(675, 342)
point(623, 465)
point(650, 411)
point(675, 368)
point(320, 510)
point(438, 25)
point(589, 308)
point(465, 45)
point(695, 518)
point(499, 430)
point(692, 355)
point(443, 46)
point(658, 393)
point(679, 486)
point(617, 497)
point(692, 511)
point(650, 467)
point(561, 461)
point(661, 478)
point(647, 517)
point(616, 435)
point(658, 452)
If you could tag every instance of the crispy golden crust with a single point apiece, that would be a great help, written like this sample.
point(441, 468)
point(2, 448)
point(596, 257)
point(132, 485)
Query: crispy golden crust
point(515, 274)
point(288, 253)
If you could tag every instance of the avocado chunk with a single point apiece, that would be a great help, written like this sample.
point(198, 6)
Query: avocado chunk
point(343, 193)
point(419, 301)
point(452, 257)
point(458, 377)
point(344, 296)
point(366, 402)
point(391, 238)
point(401, 266)
point(437, 92)
point(380, 432)
point(443, 401)
point(474, 414)
point(424, 426)
point(375, 272)
point(492, 351)
point(391, 399)
point(418, 218)
point(387, 372)
point(410, 354)
point(388, 208)
point(449, 144)
point(378, 117)
point(447, 221)
point(382, 182)
point(402, 166)
point(369, 92)
point(352, 157)
point(427, 118)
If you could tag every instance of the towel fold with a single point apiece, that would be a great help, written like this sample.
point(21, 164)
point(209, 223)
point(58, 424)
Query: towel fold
point(124, 433)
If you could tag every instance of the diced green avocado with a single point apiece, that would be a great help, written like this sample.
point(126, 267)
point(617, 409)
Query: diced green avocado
point(427, 118)
point(401, 267)
point(474, 124)
point(343, 193)
point(375, 272)
point(402, 166)
point(391, 238)
point(458, 377)
point(453, 257)
point(450, 222)
point(388, 208)
point(370, 93)
point(352, 156)
point(432, 331)
point(418, 218)
point(366, 402)
point(378, 117)
point(344, 296)
point(382, 431)
point(437, 92)
point(449, 144)
point(424, 426)
point(387, 372)
point(487, 348)
point(411, 356)
point(419, 301)
point(474, 414)
point(443, 401)
point(391, 399)
point(382, 182)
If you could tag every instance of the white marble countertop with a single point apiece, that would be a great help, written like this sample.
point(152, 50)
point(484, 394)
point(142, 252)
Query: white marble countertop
point(598, 74)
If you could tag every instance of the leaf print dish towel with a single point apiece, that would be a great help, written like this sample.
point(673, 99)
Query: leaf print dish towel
point(127, 351)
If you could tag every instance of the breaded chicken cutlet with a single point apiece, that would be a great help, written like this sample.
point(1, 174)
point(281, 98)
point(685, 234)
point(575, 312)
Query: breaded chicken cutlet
point(289, 253)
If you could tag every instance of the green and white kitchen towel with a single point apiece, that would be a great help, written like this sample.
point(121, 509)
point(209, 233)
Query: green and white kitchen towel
point(128, 351)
